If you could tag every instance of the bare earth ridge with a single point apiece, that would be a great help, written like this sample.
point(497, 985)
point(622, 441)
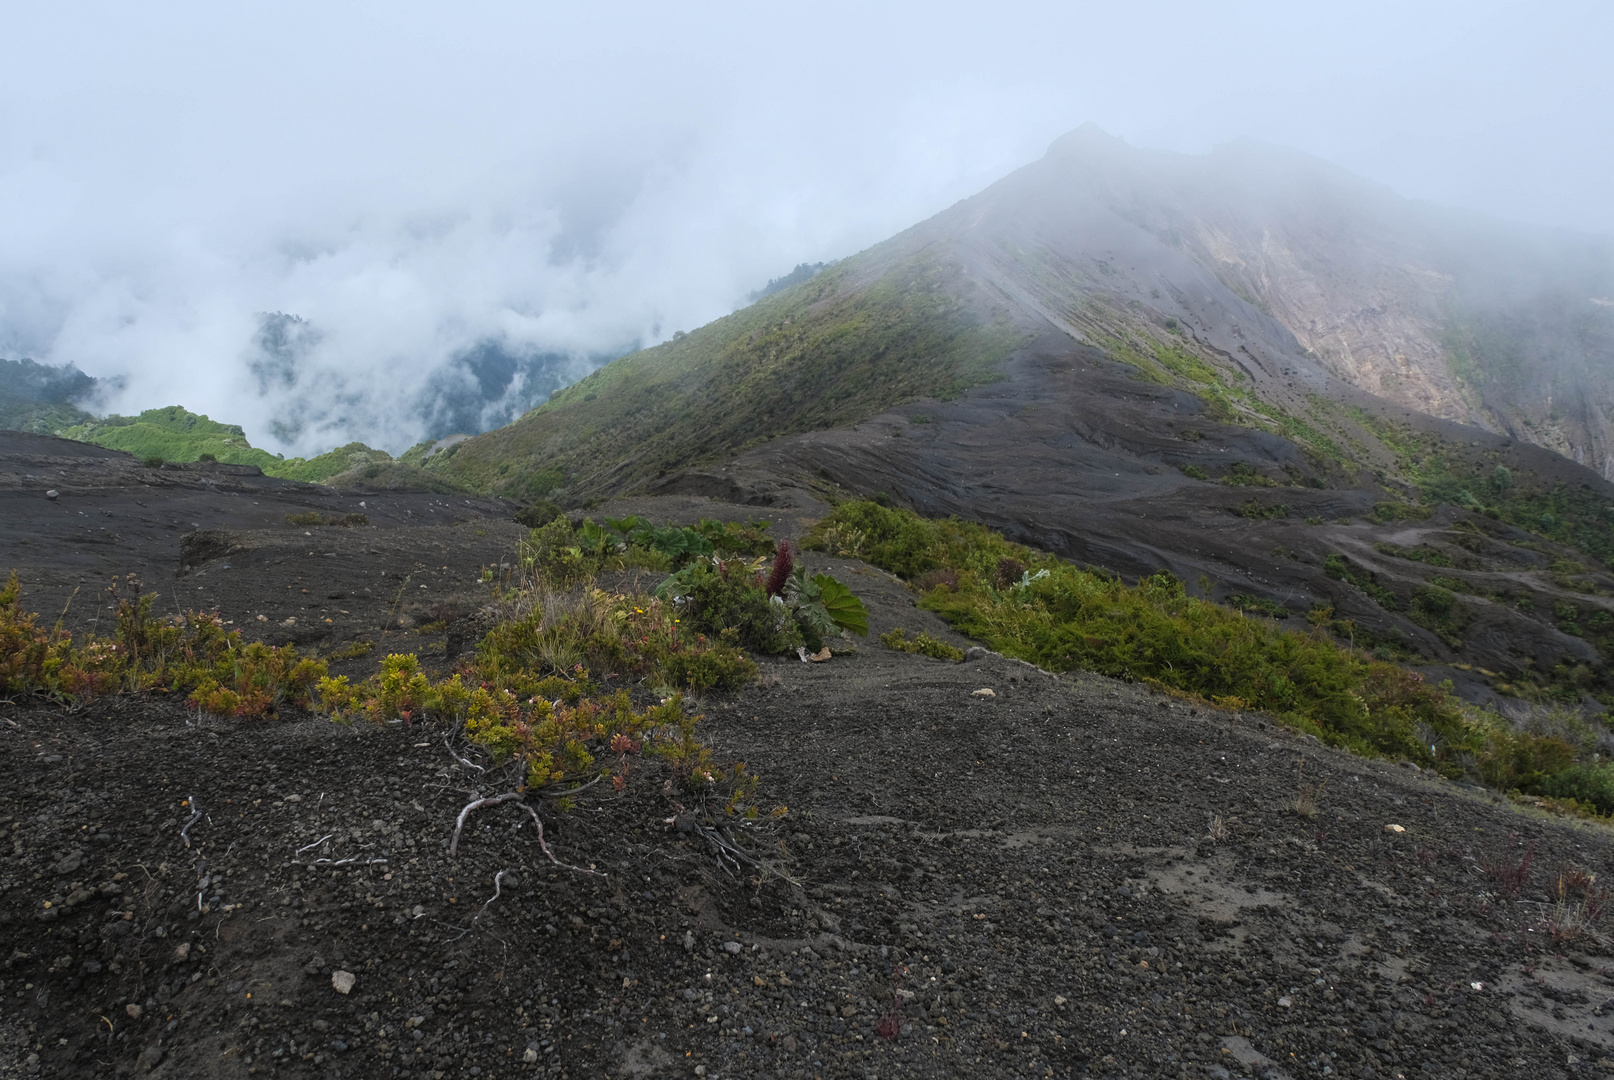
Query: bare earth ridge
point(1070, 877)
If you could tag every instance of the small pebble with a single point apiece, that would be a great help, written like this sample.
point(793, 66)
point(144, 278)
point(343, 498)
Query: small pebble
point(1394, 829)
point(342, 981)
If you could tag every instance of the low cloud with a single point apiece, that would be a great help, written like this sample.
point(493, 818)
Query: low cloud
point(328, 223)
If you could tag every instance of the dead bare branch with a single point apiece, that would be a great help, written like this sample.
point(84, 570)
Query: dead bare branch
point(196, 815)
point(498, 887)
point(463, 761)
point(573, 791)
point(494, 800)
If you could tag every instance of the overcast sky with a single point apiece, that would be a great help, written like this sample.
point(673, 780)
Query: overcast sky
point(416, 179)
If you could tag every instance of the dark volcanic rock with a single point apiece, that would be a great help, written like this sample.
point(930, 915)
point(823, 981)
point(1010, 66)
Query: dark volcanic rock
point(1074, 876)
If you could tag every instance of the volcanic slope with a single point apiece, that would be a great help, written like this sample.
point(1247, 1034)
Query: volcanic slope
point(1068, 876)
point(1052, 358)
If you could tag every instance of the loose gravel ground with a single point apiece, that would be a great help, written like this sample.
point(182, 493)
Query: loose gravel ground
point(1067, 877)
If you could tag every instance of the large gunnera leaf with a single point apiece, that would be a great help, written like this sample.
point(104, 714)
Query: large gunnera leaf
point(840, 606)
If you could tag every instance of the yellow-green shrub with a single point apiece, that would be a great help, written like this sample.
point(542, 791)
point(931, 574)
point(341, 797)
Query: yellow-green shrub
point(191, 654)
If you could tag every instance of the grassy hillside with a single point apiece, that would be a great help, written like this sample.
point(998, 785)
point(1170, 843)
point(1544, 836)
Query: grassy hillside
point(825, 353)
point(174, 434)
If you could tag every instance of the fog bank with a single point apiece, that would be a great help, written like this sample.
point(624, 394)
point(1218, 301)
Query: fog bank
point(381, 224)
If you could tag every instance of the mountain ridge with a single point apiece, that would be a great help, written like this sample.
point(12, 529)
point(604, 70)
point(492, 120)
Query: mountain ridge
point(1056, 357)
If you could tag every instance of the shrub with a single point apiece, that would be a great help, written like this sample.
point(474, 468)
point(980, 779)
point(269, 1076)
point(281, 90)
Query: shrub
point(1436, 608)
point(721, 667)
point(1008, 573)
point(1340, 568)
point(923, 645)
point(1241, 475)
point(1256, 510)
point(1071, 618)
point(191, 654)
point(727, 595)
point(1260, 605)
point(735, 538)
point(897, 540)
point(538, 513)
point(207, 459)
point(719, 595)
point(1590, 785)
point(1386, 512)
point(553, 555)
point(155, 461)
point(559, 735)
point(1423, 554)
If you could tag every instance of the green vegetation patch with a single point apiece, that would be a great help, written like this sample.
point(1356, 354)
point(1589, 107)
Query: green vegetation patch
point(1581, 516)
point(1423, 554)
point(923, 645)
point(1258, 605)
point(191, 654)
point(1340, 568)
point(173, 433)
point(1061, 617)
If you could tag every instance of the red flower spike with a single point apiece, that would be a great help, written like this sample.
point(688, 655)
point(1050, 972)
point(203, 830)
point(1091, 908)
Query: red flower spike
point(784, 561)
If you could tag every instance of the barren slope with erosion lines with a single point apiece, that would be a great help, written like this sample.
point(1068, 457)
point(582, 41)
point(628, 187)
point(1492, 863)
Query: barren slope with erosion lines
point(1073, 876)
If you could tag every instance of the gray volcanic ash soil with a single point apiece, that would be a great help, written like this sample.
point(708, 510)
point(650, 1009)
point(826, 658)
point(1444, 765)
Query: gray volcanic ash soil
point(1070, 877)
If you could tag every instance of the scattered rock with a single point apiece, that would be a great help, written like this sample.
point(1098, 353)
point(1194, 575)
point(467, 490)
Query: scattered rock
point(133, 1010)
point(182, 952)
point(53, 494)
point(1395, 830)
point(342, 981)
point(985, 691)
point(732, 947)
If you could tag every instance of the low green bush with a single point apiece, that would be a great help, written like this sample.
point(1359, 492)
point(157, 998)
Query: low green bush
point(1063, 617)
point(923, 645)
point(1256, 510)
point(786, 610)
point(1340, 568)
point(1590, 785)
point(191, 654)
point(1258, 605)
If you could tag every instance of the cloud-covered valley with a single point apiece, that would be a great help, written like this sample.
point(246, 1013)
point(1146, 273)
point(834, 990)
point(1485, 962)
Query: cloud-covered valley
point(342, 223)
